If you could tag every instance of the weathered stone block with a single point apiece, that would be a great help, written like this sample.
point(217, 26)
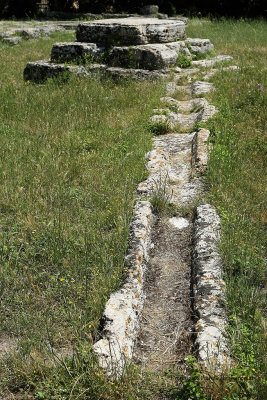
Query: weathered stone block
point(41, 70)
point(201, 46)
point(130, 31)
point(117, 73)
point(12, 40)
point(75, 51)
point(149, 56)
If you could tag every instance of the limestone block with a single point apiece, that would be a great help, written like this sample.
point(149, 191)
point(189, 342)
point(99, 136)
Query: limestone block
point(201, 46)
point(70, 51)
point(198, 88)
point(212, 61)
point(130, 31)
point(117, 73)
point(121, 314)
point(190, 112)
point(41, 70)
point(183, 19)
point(209, 289)
point(149, 56)
point(30, 33)
point(12, 40)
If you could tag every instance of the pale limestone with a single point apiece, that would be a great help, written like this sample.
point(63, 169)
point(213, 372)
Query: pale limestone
point(76, 51)
point(201, 46)
point(122, 310)
point(179, 223)
point(209, 288)
point(175, 115)
point(130, 31)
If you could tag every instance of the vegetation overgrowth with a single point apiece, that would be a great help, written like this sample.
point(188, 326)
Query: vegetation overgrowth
point(244, 8)
point(237, 179)
point(71, 157)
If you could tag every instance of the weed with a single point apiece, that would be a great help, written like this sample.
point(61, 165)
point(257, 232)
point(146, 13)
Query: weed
point(160, 127)
point(160, 198)
point(183, 61)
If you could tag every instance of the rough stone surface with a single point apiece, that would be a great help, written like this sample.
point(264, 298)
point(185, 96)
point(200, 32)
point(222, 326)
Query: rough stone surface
point(183, 19)
point(123, 308)
point(130, 31)
point(70, 51)
point(199, 88)
point(196, 88)
point(184, 115)
point(12, 40)
point(201, 46)
point(201, 149)
point(41, 70)
point(212, 61)
point(117, 73)
point(27, 31)
point(209, 289)
point(149, 56)
point(169, 164)
point(179, 222)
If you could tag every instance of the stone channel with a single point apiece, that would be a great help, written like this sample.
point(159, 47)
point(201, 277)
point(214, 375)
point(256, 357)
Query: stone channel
point(173, 298)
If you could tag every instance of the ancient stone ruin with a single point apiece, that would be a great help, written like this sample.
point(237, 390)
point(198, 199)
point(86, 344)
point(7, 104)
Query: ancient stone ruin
point(134, 47)
point(174, 268)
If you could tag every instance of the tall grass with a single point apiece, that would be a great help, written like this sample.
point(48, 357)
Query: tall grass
point(237, 178)
point(71, 156)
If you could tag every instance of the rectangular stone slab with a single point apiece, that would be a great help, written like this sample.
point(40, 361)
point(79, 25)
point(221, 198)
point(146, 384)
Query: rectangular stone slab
point(130, 31)
point(201, 46)
point(148, 56)
point(75, 51)
point(40, 71)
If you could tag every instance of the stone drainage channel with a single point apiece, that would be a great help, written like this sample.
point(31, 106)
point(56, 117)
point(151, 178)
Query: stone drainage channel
point(173, 299)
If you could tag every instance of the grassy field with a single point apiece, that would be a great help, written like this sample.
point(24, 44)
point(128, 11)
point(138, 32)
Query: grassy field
point(237, 179)
point(71, 157)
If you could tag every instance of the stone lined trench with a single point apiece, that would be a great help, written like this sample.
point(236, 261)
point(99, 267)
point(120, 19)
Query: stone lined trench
point(179, 308)
point(174, 269)
point(166, 325)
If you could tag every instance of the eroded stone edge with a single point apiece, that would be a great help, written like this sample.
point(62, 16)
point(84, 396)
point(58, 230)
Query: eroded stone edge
point(123, 308)
point(209, 290)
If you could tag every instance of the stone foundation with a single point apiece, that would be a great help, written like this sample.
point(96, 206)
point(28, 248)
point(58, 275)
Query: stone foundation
point(130, 31)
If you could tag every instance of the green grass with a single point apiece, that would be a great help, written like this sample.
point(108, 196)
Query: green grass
point(71, 157)
point(237, 178)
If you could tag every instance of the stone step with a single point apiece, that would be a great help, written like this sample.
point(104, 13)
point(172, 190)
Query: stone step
point(76, 51)
point(201, 46)
point(40, 71)
point(212, 61)
point(196, 88)
point(183, 115)
point(149, 56)
point(130, 31)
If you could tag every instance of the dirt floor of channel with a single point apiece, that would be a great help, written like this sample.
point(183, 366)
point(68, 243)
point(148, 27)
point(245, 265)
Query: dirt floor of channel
point(166, 324)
